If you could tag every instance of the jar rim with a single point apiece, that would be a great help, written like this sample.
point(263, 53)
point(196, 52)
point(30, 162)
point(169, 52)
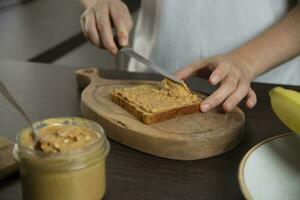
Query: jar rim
point(101, 140)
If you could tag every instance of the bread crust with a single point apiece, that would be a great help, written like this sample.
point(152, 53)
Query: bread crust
point(150, 118)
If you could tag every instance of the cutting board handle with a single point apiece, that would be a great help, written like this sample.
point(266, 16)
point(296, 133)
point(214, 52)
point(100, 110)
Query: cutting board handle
point(87, 76)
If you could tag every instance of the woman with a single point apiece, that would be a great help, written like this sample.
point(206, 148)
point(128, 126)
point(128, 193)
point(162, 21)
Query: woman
point(229, 42)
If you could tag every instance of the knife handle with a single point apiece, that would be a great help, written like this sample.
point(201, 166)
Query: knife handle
point(116, 40)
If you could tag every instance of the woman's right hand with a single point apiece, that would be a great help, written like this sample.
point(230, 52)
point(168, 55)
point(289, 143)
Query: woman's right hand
point(99, 18)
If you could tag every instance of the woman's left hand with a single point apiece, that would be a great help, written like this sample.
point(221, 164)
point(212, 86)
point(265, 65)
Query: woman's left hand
point(234, 76)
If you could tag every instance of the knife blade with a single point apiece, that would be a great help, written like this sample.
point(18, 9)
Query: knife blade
point(131, 53)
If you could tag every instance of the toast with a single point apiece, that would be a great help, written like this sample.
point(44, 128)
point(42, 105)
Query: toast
point(153, 103)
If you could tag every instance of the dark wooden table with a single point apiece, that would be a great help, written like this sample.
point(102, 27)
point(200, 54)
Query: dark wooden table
point(29, 31)
point(51, 91)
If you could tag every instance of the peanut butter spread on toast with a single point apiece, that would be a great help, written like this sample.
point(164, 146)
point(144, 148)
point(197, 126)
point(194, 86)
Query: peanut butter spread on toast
point(156, 98)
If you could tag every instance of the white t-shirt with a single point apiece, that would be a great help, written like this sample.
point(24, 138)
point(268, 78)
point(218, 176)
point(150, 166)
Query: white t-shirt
point(174, 33)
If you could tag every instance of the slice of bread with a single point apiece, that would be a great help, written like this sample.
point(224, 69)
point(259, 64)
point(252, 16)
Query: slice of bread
point(149, 116)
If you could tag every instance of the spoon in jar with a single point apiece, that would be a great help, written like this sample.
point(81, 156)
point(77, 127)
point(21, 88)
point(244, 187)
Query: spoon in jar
point(13, 102)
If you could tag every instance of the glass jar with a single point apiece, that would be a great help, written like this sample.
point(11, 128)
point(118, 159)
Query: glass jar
point(74, 175)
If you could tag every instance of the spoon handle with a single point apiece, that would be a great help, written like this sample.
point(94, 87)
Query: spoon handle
point(13, 102)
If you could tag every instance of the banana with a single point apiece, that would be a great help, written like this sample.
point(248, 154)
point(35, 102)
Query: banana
point(286, 105)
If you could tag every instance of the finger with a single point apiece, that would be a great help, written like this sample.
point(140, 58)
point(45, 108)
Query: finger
point(128, 19)
point(89, 28)
point(191, 69)
point(118, 14)
point(82, 24)
point(216, 98)
point(240, 92)
point(105, 30)
point(251, 99)
point(219, 74)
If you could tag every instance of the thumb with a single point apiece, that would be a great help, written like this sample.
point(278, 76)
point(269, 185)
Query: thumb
point(191, 69)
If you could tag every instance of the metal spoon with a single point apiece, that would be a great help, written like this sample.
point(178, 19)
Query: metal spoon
point(13, 102)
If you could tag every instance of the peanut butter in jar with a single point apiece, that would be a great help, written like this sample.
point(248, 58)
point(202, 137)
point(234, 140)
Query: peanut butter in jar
point(67, 163)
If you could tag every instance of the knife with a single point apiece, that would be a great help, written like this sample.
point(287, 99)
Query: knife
point(131, 53)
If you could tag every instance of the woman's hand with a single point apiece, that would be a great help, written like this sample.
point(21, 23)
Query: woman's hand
point(99, 18)
point(233, 75)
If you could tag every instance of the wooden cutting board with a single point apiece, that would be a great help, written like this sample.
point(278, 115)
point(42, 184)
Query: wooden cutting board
point(189, 137)
point(8, 165)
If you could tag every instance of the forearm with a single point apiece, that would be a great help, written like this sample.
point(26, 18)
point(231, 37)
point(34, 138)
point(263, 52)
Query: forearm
point(276, 45)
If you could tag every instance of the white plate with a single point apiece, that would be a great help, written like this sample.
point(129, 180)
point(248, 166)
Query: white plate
point(271, 169)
